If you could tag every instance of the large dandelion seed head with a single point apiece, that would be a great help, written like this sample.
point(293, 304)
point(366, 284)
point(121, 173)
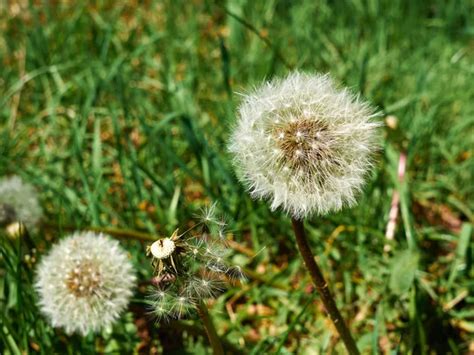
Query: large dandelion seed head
point(19, 201)
point(303, 144)
point(84, 283)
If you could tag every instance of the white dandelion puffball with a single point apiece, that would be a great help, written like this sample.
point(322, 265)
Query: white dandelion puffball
point(84, 283)
point(19, 201)
point(162, 248)
point(304, 144)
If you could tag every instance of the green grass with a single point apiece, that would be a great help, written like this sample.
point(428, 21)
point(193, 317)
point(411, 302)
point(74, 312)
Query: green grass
point(119, 114)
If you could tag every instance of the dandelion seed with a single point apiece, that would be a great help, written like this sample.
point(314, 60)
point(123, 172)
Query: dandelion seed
point(84, 283)
point(325, 137)
point(182, 307)
point(161, 305)
point(207, 286)
point(235, 273)
point(208, 214)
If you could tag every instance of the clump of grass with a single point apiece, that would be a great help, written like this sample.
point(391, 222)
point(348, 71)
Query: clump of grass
point(119, 113)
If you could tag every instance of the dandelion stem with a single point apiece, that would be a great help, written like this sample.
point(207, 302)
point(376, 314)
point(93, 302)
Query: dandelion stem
point(210, 329)
point(322, 287)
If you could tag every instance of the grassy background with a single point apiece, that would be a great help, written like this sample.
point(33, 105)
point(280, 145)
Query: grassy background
point(119, 114)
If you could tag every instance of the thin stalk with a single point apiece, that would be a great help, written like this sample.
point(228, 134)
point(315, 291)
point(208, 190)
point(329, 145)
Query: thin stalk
point(115, 232)
point(216, 345)
point(322, 287)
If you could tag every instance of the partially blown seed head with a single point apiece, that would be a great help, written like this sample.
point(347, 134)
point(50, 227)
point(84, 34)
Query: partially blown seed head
point(303, 144)
point(85, 282)
point(19, 202)
point(190, 267)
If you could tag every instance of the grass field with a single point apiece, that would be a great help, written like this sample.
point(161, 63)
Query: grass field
point(120, 114)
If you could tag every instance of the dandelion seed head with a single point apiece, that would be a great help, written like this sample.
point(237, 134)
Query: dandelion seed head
point(19, 201)
point(84, 283)
point(325, 138)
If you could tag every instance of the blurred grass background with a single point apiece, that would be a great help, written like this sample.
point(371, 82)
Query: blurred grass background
point(118, 112)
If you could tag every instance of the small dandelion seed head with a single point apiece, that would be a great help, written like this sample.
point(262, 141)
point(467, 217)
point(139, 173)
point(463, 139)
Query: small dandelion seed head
point(84, 283)
point(325, 137)
point(19, 202)
point(162, 248)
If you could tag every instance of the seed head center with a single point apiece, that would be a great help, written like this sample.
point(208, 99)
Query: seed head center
point(83, 280)
point(300, 141)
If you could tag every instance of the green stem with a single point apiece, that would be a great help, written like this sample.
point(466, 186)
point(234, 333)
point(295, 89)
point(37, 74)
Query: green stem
point(322, 287)
point(115, 232)
point(210, 329)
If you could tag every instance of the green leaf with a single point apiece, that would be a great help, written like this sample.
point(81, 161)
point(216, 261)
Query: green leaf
point(404, 266)
point(459, 263)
